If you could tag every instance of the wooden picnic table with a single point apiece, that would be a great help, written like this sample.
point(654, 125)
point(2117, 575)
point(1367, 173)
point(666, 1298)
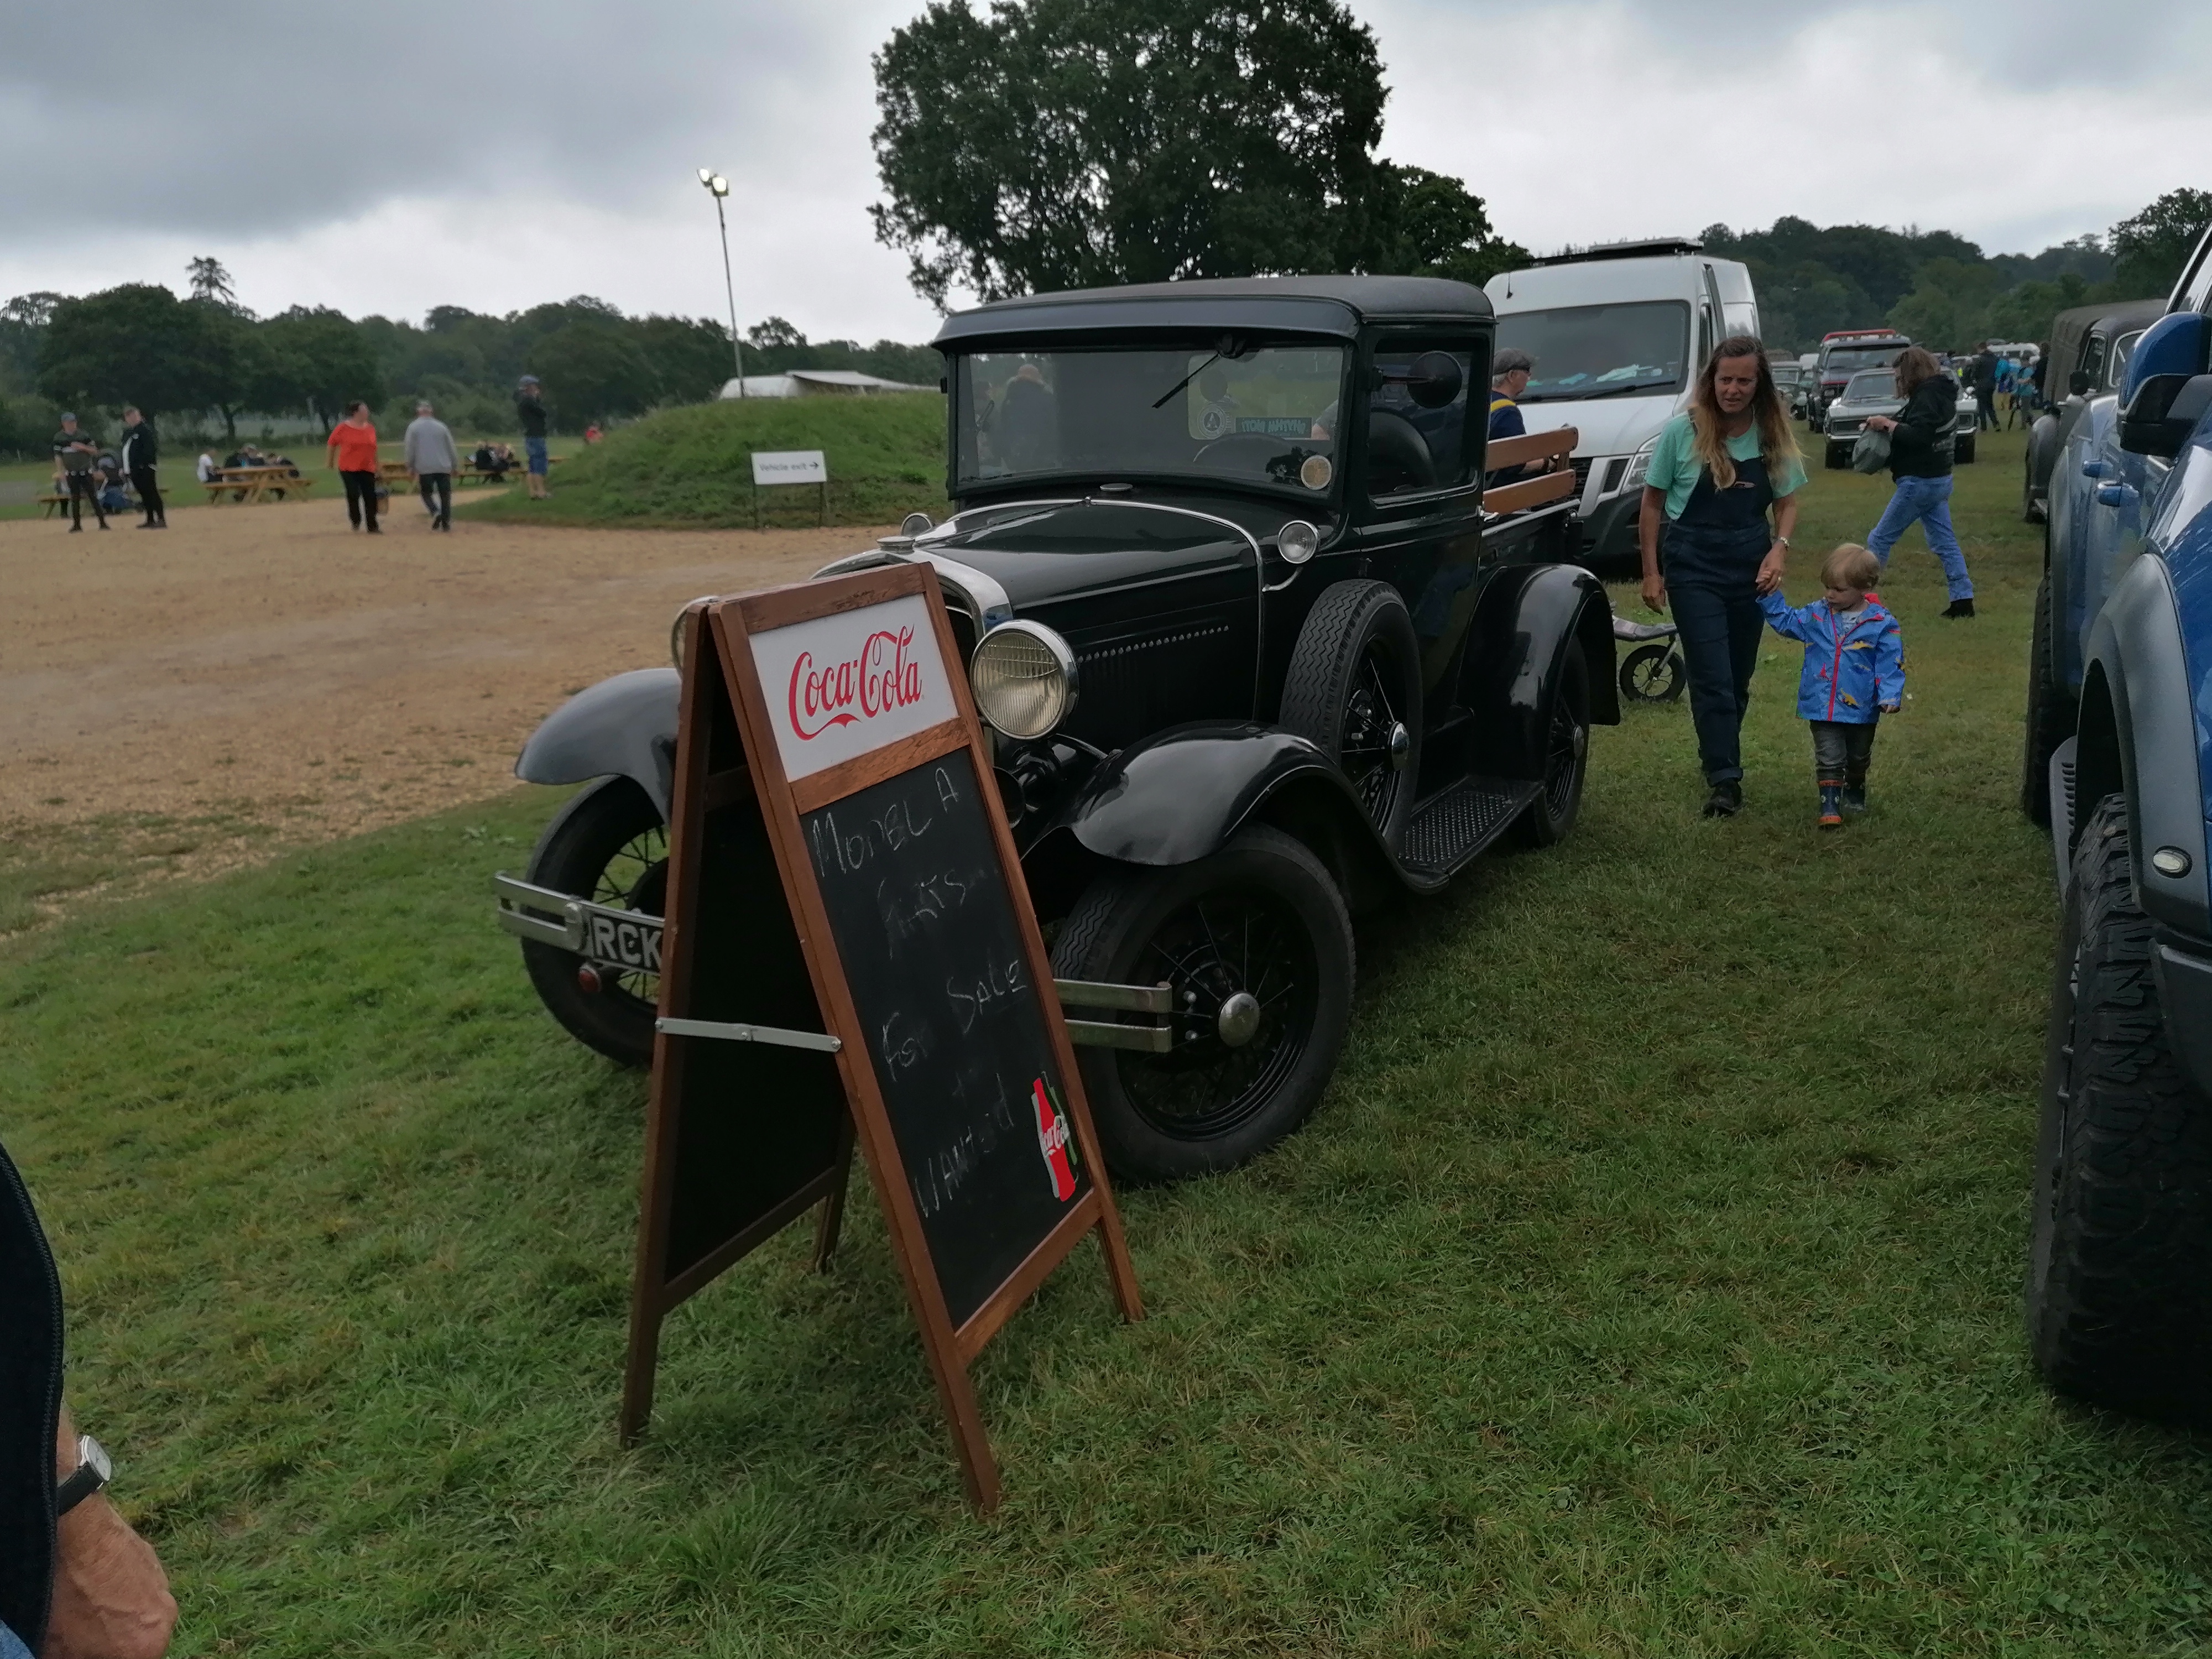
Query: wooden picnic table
point(256, 484)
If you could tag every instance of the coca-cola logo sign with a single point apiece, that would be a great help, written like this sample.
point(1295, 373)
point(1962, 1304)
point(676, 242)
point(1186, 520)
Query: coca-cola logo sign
point(839, 686)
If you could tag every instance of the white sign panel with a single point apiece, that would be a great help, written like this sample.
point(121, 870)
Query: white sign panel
point(840, 686)
point(776, 466)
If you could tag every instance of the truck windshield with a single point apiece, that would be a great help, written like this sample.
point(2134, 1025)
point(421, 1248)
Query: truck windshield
point(1267, 416)
point(1875, 388)
point(1638, 348)
point(1842, 360)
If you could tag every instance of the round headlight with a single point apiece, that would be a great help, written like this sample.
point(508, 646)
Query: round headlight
point(1297, 541)
point(1023, 675)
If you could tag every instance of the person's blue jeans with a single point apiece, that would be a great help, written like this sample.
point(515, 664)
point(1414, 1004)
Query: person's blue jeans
point(534, 450)
point(1720, 629)
point(1929, 500)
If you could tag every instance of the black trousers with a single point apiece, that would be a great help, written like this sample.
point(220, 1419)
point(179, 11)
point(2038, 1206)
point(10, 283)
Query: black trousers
point(85, 487)
point(1841, 751)
point(438, 495)
point(1720, 627)
point(360, 497)
point(150, 494)
point(1985, 412)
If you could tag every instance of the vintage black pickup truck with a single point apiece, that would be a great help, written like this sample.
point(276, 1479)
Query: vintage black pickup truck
point(1264, 637)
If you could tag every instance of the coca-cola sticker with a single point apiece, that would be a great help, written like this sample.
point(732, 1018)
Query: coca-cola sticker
point(840, 686)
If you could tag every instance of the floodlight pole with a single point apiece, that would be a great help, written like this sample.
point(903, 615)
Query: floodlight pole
point(719, 187)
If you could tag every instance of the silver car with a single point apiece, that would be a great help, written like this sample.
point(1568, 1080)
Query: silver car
point(1874, 393)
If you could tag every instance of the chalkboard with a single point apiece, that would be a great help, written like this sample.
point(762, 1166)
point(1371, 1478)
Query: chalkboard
point(932, 949)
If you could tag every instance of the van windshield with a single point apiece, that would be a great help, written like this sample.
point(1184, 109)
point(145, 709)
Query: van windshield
point(1639, 348)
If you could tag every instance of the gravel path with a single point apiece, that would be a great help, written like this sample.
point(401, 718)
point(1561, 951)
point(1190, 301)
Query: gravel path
point(268, 663)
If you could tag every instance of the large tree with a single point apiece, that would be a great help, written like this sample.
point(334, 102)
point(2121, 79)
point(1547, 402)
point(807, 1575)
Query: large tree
point(135, 344)
point(2150, 247)
point(593, 372)
point(316, 361)
point(1063, 144)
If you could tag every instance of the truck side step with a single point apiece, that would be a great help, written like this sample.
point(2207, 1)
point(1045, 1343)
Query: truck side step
point(1449, 828)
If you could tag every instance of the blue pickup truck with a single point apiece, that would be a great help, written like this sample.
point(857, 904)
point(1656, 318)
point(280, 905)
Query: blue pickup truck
point(2119, 759)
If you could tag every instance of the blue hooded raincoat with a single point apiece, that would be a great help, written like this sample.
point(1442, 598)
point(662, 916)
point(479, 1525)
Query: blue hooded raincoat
point(1853, 664)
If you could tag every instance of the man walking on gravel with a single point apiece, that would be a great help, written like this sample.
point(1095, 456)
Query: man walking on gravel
point(75, 457)
point(140, 450)
point(530, 407)
point(432, 460)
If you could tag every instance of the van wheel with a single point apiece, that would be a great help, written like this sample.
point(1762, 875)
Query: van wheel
point(1255, 944)
point(2123, 1202)
point(1354, 687)
point(2050, 715)
point(608, 845)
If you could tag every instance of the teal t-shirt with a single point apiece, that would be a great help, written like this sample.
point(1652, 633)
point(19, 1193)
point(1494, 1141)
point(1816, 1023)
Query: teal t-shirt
point(1676, 466)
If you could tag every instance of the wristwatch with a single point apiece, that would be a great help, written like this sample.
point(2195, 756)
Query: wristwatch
point(91, 1474)
point(1783, 542)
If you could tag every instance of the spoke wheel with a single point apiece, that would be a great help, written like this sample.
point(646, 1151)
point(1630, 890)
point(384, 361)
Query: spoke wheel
point(1353, 686)
point(607, 845)
point(1547, 819)
point(1255, 947)
point(1375, 739)
point(1652, 673)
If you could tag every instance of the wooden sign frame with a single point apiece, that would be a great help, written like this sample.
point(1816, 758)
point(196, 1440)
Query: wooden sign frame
point(719, 635)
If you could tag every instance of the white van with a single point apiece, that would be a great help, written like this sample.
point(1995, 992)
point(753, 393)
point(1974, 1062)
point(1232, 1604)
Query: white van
point(1618, 333)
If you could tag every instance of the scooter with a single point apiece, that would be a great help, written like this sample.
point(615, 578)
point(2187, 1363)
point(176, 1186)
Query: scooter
point(1654, 670)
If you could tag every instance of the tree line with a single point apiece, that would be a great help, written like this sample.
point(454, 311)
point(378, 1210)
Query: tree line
point(209, 360)
point(1941, 289)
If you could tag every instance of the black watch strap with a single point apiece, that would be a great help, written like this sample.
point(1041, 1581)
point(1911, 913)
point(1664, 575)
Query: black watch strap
point(90, 1474)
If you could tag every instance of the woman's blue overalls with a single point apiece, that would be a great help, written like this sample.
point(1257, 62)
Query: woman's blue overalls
point(1713, 554)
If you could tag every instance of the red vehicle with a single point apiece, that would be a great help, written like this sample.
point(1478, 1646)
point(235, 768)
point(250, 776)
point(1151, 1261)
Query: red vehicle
point(1843, 353)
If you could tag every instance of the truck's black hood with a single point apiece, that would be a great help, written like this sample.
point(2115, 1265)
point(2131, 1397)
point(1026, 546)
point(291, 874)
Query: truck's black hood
point(1046, 552)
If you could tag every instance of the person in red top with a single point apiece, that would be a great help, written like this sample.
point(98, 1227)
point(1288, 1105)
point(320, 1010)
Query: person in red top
point(353, 452)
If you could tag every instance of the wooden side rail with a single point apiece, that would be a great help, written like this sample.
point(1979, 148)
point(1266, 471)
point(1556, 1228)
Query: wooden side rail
point(1529, 492)
point(1530, 446)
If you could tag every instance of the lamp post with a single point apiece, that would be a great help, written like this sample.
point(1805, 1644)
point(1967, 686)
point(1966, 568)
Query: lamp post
point(719, 188)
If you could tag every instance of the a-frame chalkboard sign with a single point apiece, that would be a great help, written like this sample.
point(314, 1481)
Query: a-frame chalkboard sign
point(891, 986)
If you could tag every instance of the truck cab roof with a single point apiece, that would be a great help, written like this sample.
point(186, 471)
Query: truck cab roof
point(1334, 306)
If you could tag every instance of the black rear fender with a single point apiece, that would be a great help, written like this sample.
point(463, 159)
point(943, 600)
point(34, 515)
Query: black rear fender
point(1528, 616)
point(624, 726)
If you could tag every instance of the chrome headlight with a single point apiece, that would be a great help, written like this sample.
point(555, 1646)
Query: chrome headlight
point(676, 629)
point(1023, 675)
point(1297, 541)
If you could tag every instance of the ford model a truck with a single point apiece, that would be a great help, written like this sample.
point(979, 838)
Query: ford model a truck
point(1257, 648)
point(2119, 1295)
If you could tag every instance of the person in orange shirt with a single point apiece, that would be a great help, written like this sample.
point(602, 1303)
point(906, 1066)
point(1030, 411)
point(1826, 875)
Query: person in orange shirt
point(353, 452)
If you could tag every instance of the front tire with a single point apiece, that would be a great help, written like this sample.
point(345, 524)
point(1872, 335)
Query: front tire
point(1963, 452)
point(1838, 458)
point(2050, 715)
point(1259, 917)
point(608, 845)
point(2123, 1200)
point(1653, 673)
point(1354, 687)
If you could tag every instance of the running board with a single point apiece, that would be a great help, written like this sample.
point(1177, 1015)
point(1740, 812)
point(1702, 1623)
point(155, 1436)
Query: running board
point(1449, 829)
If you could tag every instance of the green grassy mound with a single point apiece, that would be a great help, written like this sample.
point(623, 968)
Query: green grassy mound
point(687, 468)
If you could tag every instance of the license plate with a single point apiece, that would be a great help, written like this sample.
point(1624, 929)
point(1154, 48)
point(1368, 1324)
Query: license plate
point(615, 939)
point(625, 939)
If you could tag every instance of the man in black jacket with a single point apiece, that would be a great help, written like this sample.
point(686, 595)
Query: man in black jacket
point(140, 451)
point(74, 1577)
point(1985, 389)
point(530, 408)
point(75, 456)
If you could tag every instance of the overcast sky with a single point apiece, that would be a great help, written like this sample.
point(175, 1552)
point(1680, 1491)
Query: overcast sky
point(406, 154)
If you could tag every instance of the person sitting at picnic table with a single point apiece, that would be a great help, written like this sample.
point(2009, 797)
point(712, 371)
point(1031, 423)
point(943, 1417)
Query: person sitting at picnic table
point(205, 469)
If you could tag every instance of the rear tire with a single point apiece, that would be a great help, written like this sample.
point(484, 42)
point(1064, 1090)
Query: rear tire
point(1259, 916)
point(1546, 820)
point(2123, 1203)
point(2051, 715)
point(1838, 458)
point(608, 845)
point(1354, 687)
point(1963, 452)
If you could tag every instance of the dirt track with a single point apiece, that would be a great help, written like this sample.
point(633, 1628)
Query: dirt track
point(270, 665)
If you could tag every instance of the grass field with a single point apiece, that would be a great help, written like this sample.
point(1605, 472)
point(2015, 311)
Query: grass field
point(1647, 1285)
point(689, 467)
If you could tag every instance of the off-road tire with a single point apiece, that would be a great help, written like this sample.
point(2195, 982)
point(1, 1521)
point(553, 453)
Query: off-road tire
point(2051, 714)
point(1839, 457)
point(2122, 1243)
point(585, 837)
point(1962, 452)
point(1352, 625)
point(1110, 936)
point(1546, 821)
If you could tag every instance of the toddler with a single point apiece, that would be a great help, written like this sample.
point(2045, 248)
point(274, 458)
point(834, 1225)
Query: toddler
point(1854, 673)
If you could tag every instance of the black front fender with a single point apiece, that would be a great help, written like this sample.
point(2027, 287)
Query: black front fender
point(1528, 618)
point(624, 726)
point(1176, 796)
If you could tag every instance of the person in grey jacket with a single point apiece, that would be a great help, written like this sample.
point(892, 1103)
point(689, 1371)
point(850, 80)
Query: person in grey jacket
point(432, 460)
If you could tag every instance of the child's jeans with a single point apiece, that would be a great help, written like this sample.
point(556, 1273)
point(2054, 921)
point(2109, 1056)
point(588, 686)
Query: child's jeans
point(1841, 751)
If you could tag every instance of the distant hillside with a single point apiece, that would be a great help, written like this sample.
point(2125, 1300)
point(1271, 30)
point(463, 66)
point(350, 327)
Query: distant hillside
point(691, 467)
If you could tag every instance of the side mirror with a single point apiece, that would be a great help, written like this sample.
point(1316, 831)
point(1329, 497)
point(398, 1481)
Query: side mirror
point(2078, 383)
point(2164, 412)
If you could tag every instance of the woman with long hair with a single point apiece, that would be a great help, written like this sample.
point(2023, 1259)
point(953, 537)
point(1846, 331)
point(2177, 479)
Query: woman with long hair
point(1720, 470)
point(1920, 454)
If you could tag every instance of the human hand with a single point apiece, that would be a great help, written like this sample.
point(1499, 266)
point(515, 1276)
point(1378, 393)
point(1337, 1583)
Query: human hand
point(1769, 579)
point(1889, 707)
point(111, 1599)
point(1654, 592)
point(1881, 423)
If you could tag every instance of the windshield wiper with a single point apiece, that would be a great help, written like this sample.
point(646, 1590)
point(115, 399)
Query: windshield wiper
point(1620, 390)
point(1186, 380)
